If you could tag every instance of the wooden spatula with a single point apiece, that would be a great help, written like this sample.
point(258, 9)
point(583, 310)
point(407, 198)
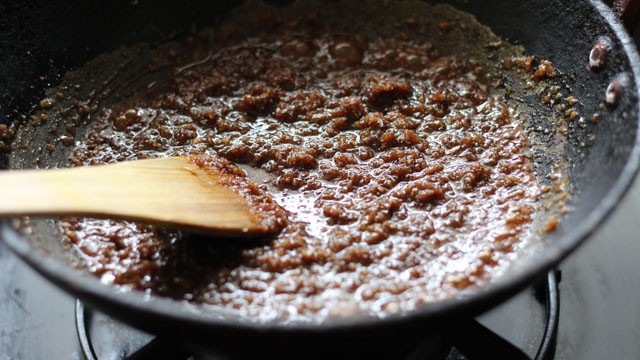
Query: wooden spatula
point(171, 191)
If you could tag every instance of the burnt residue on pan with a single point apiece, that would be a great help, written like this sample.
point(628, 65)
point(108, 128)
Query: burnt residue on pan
point(418, 155)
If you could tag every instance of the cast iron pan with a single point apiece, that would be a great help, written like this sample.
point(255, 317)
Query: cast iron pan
point(40, 41)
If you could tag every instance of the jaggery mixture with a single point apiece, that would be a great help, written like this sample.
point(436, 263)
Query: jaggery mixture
point(403, 176)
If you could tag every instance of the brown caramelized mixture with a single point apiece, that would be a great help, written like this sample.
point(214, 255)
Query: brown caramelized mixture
point(404, 180)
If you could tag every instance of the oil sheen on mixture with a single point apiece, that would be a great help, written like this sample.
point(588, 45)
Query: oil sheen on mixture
point(404, 176)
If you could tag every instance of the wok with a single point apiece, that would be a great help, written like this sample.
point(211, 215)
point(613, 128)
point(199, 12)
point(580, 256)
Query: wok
point(40, 41)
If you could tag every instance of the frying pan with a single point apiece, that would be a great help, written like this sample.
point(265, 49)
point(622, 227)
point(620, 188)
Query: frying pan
point(41, 40)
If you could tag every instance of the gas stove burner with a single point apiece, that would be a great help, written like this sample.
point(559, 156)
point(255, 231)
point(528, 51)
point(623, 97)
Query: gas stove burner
point(102, 337)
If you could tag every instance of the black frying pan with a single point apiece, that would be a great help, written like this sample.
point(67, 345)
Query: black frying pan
point(39, 41)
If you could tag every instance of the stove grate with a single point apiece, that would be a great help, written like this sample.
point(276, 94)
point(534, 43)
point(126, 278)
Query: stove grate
point(471, 341)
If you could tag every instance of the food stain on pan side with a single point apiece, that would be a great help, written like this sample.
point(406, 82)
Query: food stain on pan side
point(616, 90)
point(598, 54)
point(410, 165)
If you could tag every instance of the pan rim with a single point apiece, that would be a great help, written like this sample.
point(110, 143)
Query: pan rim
point(91, 289)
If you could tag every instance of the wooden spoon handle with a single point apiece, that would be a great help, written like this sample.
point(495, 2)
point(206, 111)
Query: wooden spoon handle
point(169, 191)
